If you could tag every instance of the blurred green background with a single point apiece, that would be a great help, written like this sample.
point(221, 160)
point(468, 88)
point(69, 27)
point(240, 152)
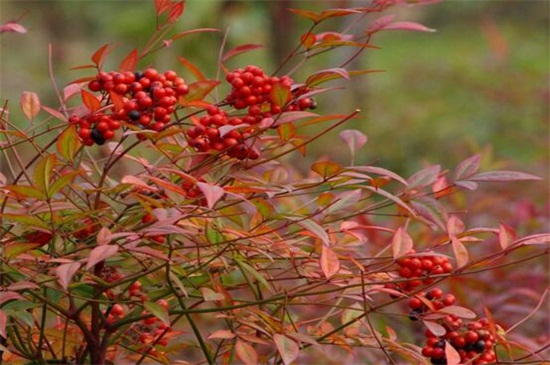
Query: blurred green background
point(479, 83)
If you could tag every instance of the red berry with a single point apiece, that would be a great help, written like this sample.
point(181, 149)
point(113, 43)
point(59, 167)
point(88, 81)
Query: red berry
point(117, 310)
point(415, 303)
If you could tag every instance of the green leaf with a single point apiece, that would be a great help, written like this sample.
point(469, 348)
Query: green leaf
point(249, 269)
point(68, 143)
point(158, 311)
point(26, 191)
point(280, 94)
point(42, 173)
point(62, 182)
point(26, 220)
point(213, 235)
point(12, 250)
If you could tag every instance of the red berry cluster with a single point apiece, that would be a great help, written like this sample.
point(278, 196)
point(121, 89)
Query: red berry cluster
point(205, 135)
point(151, 332)
point(148, 99)
point(116, 312)
point(89, 228)
point(135, 291)
point(95, 128)
point(473, 342)
point(438, 300)
point(251, 89)
point(192, 191)
point(419, 269)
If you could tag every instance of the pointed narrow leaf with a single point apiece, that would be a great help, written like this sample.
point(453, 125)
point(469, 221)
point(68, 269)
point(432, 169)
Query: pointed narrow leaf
point(330, 264)
point(289, 117)
point(411, 26)
point(380, 23)
point(280, 94)
point(129, 63)
point(460, 252)
point(117, 100)
point(287, 348)
point(506, 236)
point(316, 229)
point(452, 356)
point(259, 277)
point(401, 243)
point(13, 249)
point(66, 272)
point(210, 295)
point(535, 239)
point(90, 101)
point(68, 143)
point(3, 322)
point(246, 353)
point(344, 201)
point(322, 76)
point(458, 311)
point(424, 177)
point(176, 11)
point(26, 191)
point(10, 295)
point(468, 167)
point(198, 91)
point(454, 226)
point(503, 176)
point(71, 90)
point(306, 14)
point(194, 70)
point(101, 253)
point(158, 311)
point(42, 173)
point(212, 193)
point(326, 169)
point(221, 334)
point(435, 328)
point(161, 6)
point(354, 139)
point(54, 113)
point(240, 49)
point(12, 27)
point(99, 55)
point(192, 31)
point(30, 104)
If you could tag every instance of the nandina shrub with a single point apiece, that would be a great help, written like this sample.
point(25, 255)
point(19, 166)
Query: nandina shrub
point(155, 223)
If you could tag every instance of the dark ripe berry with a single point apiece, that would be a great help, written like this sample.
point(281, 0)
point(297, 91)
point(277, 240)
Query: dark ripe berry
point(440, 344)
point(138, 75)
point(97, 137)
point(439, 360)
point(413, 315)
point(134, 115)
point(479, 346)
point(313, 104)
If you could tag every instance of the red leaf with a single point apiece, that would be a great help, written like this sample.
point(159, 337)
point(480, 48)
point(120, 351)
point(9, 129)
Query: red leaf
point(91, 102)
point(467, 168)
point(101, 253)
point(99, 55)
point(161, 6)
point(290, 117)
point(212, 193)
point(246, 353)
point(3, 322)
point(198, 91)
point(287, 348)
point(30, 104)
point(415, 27)
point(280, 94)
point(117, 100)
point(503, 176)
point(54, 113)
point(324, 75)
point(535, 239)
point(424, 177)
point(308, 40)
point(71, 90)
point(460, 252)
point(129, 63)
point(175, 12)
point(454, 226)
point(192, 31)
point(194, 70)
point(306, 14)
point(330, 264)
point(435, 328)
point(10, 295)
point(12, 27)
point(354, 139)
point(240, 49)
point(333, 13)
point(506, 236)
point(380, 23)
point(458, 311)
point(401, 243)
point(66, 272)
point(452, 356)
point(222, 334)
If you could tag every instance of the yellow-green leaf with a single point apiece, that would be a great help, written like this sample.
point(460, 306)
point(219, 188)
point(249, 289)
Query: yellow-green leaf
point(68, 143)
point(42, 173)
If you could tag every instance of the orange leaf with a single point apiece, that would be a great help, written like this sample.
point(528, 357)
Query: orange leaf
point(99, 55)
point(194, 70)
point(130, 62)
point(246, 353)
point(30, 104)
point(308, 40)
point(330, 264)
point(91, 102)
point(117, 100)
point(326, 168)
